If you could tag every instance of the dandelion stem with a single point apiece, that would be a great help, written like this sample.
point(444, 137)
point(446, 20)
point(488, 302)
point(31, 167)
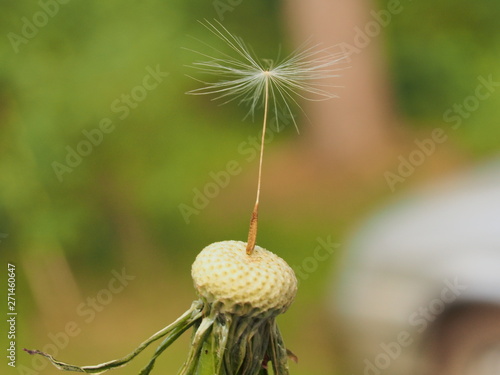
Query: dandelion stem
point(252, 231)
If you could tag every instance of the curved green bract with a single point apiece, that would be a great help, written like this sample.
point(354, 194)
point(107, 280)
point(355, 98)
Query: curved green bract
point(221, 344)
point(173, 331)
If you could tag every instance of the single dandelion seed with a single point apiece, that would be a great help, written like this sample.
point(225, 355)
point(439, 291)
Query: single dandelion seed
point(242, 287)
point(263, 83)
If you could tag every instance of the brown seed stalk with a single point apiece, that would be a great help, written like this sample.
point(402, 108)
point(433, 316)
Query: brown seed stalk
point(252, 230)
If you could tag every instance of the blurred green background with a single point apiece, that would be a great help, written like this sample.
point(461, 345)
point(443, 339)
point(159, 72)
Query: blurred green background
point(119, 206)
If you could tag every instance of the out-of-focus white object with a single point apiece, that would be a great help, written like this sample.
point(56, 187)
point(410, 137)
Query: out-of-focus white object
point(419, 272)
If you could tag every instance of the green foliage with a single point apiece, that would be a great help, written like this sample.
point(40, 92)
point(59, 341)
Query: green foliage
point(437, 52)
point(67, 77)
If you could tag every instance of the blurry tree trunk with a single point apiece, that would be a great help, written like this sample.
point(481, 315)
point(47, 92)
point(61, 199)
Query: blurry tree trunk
point(49, 276)
point(352, 132)
point(51, 282)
